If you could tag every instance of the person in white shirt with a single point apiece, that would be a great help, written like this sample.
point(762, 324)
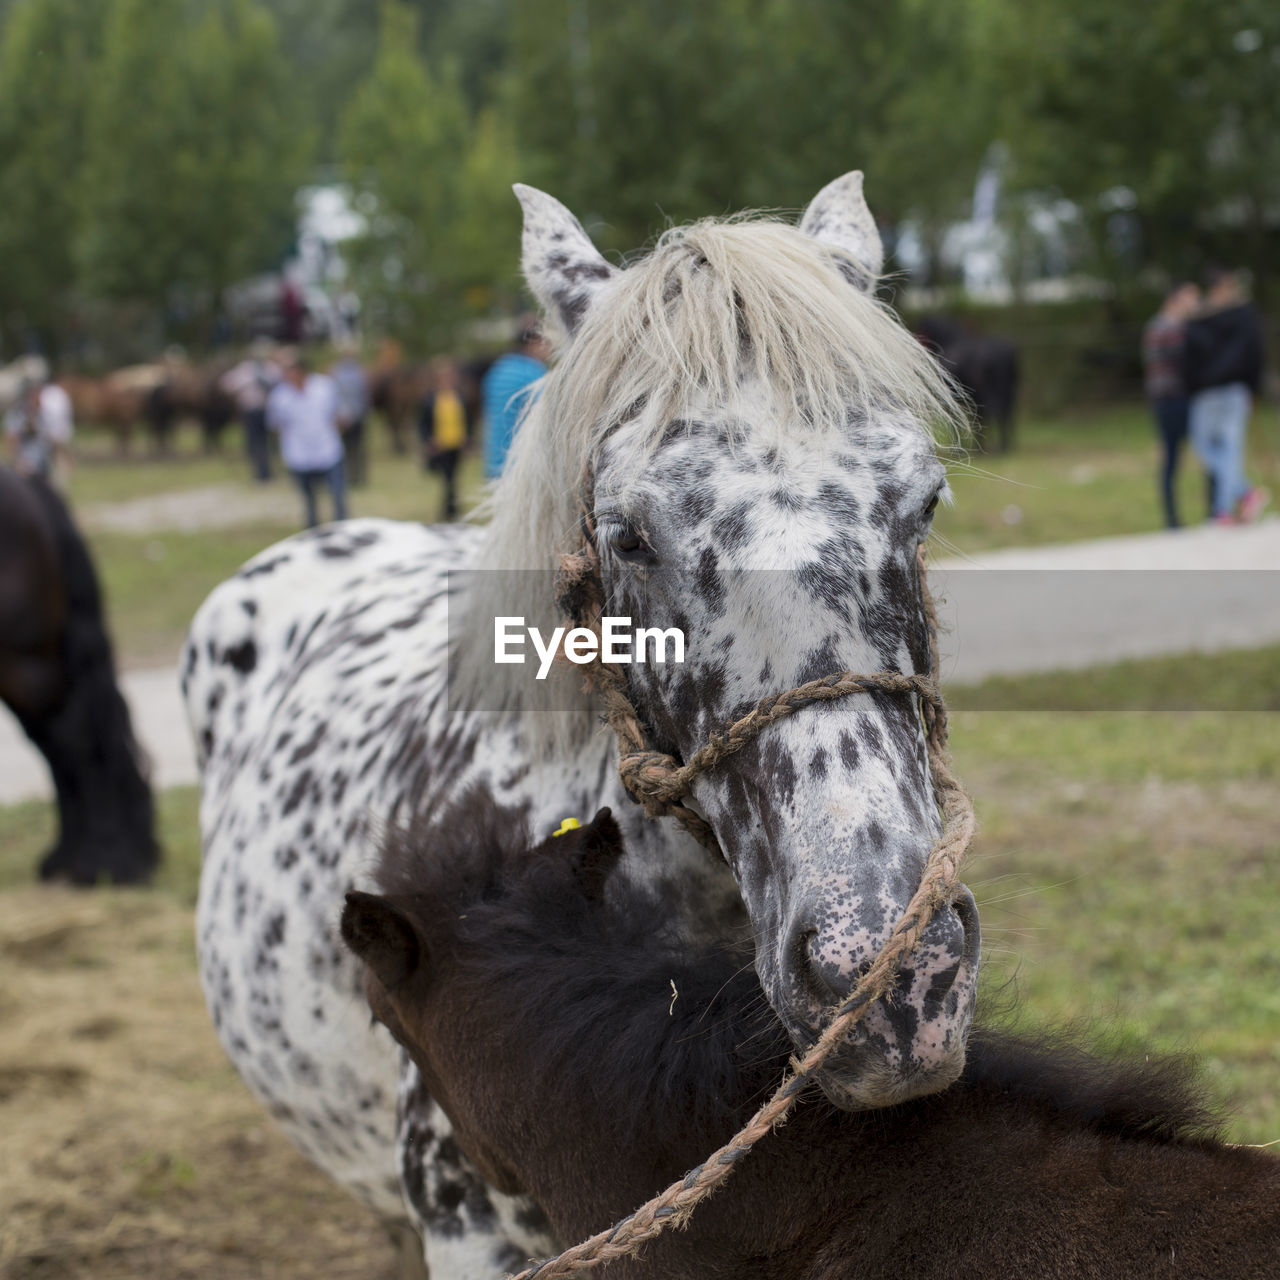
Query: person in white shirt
point(249, 384)
point(303, 409)
point(39, 430)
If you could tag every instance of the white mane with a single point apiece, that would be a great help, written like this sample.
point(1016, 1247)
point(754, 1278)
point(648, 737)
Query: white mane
point(713, 307)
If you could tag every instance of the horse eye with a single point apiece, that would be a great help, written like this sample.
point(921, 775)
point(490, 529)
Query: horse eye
point(932, 507)
point(623, 539)
point(627, 543)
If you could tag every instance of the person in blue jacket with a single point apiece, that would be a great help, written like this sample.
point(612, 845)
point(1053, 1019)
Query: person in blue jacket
point(506, 390)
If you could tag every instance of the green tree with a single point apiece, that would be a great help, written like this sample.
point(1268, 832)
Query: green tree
point(938, 120)
point(329, 47)
point(428, 180)
point(131, 244)
point(44, 72)
point(192, 154)
point(247, 150)
point(667, 110)
point(487, 234)
point(1165, 113)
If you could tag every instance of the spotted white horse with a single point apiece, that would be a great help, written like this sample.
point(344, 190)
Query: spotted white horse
point(754, 437)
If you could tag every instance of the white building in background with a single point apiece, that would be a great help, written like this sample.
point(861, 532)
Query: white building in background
point(987, 254)
point(327, 218)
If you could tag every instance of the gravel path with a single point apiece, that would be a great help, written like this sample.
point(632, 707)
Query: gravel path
point(193, 510)
point(1013, 611)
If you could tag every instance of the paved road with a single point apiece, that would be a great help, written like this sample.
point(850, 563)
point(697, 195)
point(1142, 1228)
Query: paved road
point(1022, 610)
point(159, 720)
point(1080, 604)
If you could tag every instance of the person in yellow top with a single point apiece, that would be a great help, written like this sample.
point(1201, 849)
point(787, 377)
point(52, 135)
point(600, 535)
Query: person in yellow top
point(443, 429)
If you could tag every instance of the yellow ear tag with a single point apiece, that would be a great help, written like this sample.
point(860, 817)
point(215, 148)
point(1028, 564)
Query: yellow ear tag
point(569, 824)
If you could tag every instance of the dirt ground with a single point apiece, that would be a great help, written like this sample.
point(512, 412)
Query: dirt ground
point(129, 1147)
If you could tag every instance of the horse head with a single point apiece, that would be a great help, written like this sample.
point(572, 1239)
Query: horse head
point(750, 434)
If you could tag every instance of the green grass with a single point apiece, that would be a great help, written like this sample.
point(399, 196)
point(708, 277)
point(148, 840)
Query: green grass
point(27, 830)
point(1122, 747)
point(155, 584)
point(1086, 475)
point(1241, 680)
point(398, 486)
point(103, 474)
point(1127, 870)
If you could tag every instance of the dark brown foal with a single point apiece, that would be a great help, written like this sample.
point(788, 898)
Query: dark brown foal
point(588, 1057)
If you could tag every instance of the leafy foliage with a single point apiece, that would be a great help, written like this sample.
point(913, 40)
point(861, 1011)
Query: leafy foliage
point(151, 148)
point(430, 179)
point(1165, 113)
point(192, 157)
point(150, 155)
point(44, 63)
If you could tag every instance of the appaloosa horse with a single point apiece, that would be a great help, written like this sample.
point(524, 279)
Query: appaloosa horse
point(750, 437)
point(58, 677)
point(589, 1056)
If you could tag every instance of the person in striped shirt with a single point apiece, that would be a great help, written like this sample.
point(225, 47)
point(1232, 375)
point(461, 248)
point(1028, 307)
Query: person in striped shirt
point(1163, 341)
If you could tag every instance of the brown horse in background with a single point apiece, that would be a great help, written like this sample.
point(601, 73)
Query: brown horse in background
point(57, 676)
point(157, 396)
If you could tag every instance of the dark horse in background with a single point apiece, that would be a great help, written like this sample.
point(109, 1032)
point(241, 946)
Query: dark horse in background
point(986, 367)
point(58, 677)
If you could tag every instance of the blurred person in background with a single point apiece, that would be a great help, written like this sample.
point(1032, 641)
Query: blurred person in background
point(293, 312)
point(249, 383)
point(352, 384)
point(38, 430)
point(1222, 365)
point(506, 390)
point(442, 430)
point(303, 409)
point(1163, 340)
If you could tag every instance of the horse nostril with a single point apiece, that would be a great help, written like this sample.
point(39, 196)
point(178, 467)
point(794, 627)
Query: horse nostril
point(801, 956)
point(811, 970)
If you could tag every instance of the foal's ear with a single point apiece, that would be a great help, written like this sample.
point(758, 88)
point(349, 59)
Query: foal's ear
point(838, 216)
point(598, 846)
point(382, 936)
point(563, 268)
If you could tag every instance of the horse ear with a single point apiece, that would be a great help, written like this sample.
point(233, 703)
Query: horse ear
point(838, 216)
point(563, 268)
point(382, 936)
point(599, 846)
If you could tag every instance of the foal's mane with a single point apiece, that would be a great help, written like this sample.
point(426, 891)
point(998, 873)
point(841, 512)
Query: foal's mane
point(606, 999)
point(578, 978)
point(713, 308)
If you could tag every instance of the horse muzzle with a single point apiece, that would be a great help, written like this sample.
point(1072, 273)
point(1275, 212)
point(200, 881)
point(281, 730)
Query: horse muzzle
point(912, 1042)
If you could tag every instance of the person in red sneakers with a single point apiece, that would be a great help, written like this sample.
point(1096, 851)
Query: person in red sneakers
point(1222, 363)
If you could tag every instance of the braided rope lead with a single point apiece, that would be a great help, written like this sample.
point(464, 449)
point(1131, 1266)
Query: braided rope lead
point(659, 783)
